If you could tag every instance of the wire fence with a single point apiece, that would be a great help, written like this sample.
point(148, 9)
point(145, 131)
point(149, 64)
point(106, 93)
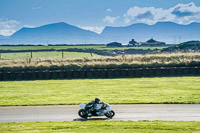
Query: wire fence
point(44, 54)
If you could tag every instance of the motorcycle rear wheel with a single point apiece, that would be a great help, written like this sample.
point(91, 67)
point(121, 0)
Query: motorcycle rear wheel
point(110, 114)
point(82, 113)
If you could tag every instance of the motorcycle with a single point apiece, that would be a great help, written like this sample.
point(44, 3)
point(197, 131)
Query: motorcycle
point(100, 110)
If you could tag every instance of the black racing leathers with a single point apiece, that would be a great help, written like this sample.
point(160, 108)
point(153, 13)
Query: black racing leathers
point(91, 107)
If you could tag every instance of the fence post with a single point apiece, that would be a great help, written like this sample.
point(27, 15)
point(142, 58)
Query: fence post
point(62, 55)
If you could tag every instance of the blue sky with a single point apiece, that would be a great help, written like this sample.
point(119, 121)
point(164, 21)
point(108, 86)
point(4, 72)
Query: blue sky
point(94, 15)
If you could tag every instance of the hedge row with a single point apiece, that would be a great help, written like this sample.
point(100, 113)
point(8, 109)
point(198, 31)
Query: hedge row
point(99, 73)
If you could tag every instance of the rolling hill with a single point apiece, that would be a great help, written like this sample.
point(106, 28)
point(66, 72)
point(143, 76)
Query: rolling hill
point(63, 33)
point(163, 31)
point(53, 33)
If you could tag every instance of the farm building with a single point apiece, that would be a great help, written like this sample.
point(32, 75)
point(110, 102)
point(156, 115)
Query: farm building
point(114, 44)
point(132, 43)
point(152, 42)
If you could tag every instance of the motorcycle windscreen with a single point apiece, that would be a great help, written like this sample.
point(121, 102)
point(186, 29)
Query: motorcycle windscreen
point(82, 106)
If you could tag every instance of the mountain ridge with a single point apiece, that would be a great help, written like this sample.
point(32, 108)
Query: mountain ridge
point(163, 31)
point(61, 32)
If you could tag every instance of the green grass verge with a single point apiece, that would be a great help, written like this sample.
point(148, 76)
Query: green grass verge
point(126, 90)
point(104, 126)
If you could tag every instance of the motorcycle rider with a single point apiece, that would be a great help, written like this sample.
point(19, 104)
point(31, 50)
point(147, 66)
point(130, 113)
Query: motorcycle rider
point(92, 105)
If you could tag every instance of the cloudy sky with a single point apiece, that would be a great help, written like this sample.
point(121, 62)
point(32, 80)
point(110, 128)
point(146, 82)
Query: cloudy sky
point(94, 15)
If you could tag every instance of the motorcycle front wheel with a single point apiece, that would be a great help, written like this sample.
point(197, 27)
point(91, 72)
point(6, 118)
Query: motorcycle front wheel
point(110, 114)
point(82, 113)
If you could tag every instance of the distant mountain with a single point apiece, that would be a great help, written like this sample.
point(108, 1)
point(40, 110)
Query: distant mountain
point(53, 33)
point(63, 33)
point(162, 31)
point(3, 37)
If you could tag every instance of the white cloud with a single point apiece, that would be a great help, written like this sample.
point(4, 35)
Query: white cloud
point(190, 7)
point(109, 10)
point(7, 32)
point(181, 13)
point(110, 19)
point(8, 27)
point(97, 29)
point(29, 26)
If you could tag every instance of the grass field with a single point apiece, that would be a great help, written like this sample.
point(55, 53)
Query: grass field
point(99, 47)
point(52, 55)
point(127, 90)
point(85, 60)
point(57, 54)
point(104, 126)
point(49, 47)
point(143, 48)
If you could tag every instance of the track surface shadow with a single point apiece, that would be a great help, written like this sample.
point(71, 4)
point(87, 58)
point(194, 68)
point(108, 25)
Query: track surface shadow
point(90, 119)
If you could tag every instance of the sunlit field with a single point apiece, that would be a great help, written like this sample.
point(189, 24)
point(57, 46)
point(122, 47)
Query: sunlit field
point(127, 90)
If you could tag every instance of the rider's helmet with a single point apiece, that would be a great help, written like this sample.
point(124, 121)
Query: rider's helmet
point(97, 100)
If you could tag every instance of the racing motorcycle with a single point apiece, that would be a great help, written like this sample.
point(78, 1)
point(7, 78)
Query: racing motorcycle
point(100, 110)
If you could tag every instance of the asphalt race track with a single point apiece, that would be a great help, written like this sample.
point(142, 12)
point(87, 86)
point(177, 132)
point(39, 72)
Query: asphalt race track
point(133, 112)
